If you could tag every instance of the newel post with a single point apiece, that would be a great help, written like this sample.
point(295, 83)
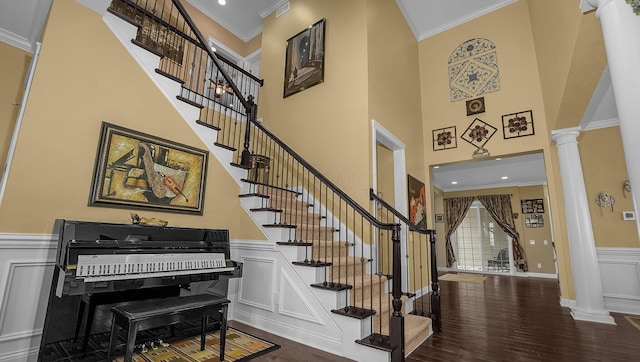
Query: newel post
point(252, 111)
point(436, 314)
point(397, 319)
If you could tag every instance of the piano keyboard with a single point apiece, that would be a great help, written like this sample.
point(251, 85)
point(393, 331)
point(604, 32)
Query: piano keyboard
point(97, 268)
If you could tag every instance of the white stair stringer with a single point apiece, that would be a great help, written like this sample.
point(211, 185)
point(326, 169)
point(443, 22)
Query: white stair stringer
point(149, 62)
point(312, 323)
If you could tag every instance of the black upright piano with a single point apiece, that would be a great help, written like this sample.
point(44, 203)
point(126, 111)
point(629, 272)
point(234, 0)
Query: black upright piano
point(99, 264)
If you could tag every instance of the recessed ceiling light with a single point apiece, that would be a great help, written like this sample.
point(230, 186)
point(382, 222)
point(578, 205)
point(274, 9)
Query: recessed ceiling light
point(222, 2)
point(504, 177)
point(436, 166)
point(454, 182)
point(498, 159)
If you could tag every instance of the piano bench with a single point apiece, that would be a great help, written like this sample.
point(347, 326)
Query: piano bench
point(146, 314)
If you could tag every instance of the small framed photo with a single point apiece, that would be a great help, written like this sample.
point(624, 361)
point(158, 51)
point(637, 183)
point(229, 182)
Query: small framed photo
point(439, 218)
point(628, 215)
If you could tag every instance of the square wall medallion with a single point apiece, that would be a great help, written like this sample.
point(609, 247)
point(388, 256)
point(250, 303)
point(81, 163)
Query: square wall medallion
point(478, 133)
point(444, 138)
point(518, 124)
point(475, 106)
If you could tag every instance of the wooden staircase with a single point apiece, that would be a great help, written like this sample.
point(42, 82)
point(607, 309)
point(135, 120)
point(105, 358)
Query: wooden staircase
point(309, 241)
point(345, 268)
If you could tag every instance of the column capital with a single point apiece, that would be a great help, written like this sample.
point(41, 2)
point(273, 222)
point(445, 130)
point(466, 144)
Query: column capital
point(589, 5)
point(565, 135)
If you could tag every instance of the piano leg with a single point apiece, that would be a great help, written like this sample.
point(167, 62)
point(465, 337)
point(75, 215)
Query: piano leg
point(203, 331)
point(79, 320)
point(89, 322)
point(113, 339)
point(223, 331)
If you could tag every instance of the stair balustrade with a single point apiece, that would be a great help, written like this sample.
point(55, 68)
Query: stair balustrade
point(331, 230)
point(418, 258)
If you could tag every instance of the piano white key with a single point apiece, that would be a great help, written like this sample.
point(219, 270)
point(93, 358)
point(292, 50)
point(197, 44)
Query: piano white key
point(104, 278)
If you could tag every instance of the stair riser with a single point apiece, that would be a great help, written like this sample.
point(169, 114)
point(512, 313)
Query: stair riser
point(359, 295)
point(301, 218)
point(348, 269)
point(317, 233)
point(288, 205)
point(328, 253)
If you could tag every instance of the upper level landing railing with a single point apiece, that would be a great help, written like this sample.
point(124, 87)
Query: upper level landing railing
point(210, 81)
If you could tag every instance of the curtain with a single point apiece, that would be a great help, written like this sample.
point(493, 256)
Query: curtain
point(499, 207)
point(455, 210)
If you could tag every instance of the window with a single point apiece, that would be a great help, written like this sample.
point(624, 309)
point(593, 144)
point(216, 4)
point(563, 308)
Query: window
point(480, 243)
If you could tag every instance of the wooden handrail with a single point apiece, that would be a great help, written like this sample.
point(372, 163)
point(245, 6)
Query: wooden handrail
point(247, 106)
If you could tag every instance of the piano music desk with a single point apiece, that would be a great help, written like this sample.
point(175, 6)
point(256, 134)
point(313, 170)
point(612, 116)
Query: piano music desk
point(146, 314)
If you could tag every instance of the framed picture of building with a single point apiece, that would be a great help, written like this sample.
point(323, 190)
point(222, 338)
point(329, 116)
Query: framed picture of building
point(140, 171)
point(304, 62)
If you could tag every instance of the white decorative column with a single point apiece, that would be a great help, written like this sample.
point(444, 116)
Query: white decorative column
point(587, 281)
point(621, 31)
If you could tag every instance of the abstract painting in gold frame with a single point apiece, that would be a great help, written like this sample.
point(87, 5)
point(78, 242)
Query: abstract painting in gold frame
point(141, 171)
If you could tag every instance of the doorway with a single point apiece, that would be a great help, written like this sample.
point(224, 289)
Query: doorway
point(480, 244)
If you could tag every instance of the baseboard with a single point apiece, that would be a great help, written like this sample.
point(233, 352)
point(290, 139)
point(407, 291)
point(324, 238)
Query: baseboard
point(290, 332)
point(517, 274)
point(30, 354)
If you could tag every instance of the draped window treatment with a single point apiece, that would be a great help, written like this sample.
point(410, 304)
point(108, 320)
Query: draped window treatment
point(499, 207)
point(455, 209)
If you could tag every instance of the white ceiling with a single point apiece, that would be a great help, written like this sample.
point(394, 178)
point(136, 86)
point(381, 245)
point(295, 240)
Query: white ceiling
point(21, 23)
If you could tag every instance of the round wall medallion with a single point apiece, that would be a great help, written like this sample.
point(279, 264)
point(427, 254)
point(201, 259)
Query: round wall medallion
point(475, 106)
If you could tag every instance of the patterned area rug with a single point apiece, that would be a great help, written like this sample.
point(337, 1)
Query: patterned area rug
point(635, 321)
point(183, 347)
point(469, 278)
point(239, 346)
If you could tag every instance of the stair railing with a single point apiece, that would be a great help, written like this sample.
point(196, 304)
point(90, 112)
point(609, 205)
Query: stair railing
point(334, 230)
point(220, 88)
point(415, 241)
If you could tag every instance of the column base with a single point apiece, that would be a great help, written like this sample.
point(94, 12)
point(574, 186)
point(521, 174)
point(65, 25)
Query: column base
point(592, 316)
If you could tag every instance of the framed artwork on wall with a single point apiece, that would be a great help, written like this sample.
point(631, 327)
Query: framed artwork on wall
point(304, 62)
point(417, 202)
point(141, 171)
point(532, 206)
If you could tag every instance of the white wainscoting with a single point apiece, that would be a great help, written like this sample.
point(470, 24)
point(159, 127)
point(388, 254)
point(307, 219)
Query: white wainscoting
point(620, 271)
point(26, 266)
point(273, 297)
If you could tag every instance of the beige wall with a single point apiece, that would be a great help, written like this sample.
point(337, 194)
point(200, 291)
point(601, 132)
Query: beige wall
point(76, 88)
point(511, 30)
point(604, 169)
point(209, 28)
point(327, 124)
point(14, 64)
point(394, 87)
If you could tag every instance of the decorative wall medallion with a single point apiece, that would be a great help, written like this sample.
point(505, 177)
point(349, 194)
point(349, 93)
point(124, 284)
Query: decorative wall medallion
point(635, 6)
point(478, 133)
point(473, 69)
point(444, 138)
point(475, 106)
point(518, 124)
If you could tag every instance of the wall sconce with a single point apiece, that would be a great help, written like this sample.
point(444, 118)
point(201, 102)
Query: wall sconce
point(515, 215)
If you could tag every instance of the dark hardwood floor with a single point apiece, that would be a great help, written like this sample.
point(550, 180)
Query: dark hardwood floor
point(289, 351)
point(503, 319)
point(520, 319)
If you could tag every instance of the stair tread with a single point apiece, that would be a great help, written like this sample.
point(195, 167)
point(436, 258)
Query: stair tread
point(416, 331)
